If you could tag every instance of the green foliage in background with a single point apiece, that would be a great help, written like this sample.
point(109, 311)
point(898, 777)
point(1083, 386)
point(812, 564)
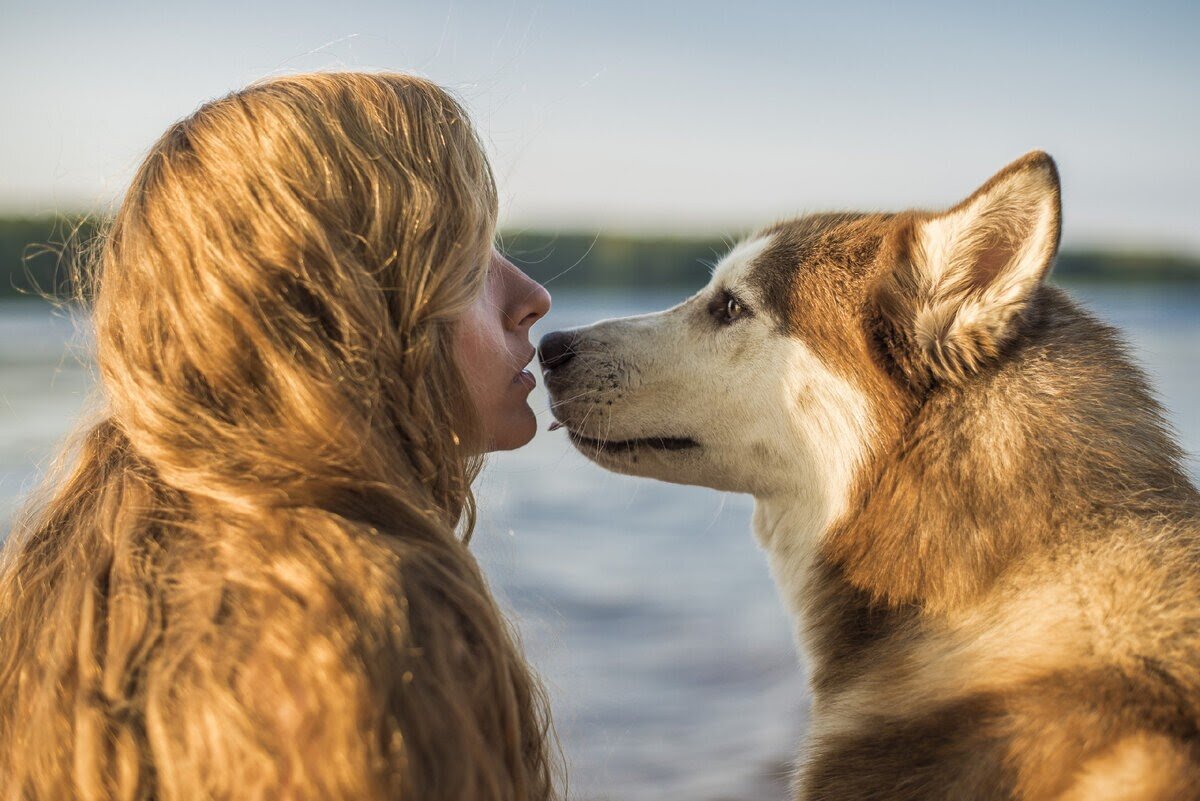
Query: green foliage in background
point(37, 257)
point(613, 261)
point(605, 260)
point(39, 254)
point(1095, 265)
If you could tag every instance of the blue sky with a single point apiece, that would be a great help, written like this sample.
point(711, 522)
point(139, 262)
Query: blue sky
point(679, 117)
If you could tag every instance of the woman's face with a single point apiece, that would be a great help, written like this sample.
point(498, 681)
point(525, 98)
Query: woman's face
point(493, 349)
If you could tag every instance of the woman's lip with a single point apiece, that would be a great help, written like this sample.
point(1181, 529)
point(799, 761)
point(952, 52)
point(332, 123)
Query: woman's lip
point(525, 377)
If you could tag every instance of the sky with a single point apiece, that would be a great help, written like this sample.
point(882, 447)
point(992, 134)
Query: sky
point(698, 117)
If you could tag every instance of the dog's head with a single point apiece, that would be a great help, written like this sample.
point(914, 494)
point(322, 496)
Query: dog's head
point(811, 344)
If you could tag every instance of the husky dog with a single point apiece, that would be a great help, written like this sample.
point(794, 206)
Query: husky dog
point(966, 491)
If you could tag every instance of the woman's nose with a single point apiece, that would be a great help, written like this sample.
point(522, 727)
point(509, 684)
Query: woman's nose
point(555, 349)
point(530, 300)
point(538, 301)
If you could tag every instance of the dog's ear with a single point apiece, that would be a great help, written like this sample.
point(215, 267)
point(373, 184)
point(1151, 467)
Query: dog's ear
point(956, 283)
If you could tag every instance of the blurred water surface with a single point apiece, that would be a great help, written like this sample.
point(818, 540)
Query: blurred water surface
point(646, 607)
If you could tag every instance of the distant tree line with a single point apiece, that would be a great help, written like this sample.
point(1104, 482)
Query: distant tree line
point(38, 257)
point(606, 260)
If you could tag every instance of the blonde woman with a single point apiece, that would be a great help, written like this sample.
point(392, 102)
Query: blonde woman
point(251, 580)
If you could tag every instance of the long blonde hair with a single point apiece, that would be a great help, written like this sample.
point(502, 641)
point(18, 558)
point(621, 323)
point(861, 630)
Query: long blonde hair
point(247, 583)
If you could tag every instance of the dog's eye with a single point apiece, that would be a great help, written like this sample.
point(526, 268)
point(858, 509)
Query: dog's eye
point(726, 308)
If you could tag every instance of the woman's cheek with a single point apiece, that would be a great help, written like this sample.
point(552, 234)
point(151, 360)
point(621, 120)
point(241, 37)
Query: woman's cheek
point(496, 399)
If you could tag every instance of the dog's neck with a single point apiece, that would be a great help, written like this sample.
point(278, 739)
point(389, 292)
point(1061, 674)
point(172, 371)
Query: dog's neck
point(788, 531)
point(823, 603)
point(790, 528)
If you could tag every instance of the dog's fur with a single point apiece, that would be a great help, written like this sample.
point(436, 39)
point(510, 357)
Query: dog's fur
point(965, 489)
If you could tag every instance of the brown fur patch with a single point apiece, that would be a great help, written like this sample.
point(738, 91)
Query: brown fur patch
point(1025, 452)
point(1074, 732)
point(949, 752)
point(1141, 767)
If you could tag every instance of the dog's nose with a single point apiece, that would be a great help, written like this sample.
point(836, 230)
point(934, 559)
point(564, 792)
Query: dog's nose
point(555, 349)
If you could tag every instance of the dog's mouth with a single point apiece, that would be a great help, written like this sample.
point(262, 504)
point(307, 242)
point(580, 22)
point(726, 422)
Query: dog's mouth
point(628, 445)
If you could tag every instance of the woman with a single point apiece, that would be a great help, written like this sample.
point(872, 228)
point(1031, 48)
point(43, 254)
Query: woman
point(249, 584)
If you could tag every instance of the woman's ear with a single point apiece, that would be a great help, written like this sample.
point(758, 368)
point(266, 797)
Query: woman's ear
point(958, 281)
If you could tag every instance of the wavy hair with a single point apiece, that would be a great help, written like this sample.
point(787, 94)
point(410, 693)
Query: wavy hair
point(246, 581)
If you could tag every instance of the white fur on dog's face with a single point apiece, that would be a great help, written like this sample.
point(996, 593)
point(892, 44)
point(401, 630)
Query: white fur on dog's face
point(766, 415)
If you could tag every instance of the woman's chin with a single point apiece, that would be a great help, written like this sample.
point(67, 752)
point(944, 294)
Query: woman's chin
point(518, 430)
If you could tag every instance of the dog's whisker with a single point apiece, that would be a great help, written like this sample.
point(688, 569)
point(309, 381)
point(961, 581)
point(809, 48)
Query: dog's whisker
point(557, 404)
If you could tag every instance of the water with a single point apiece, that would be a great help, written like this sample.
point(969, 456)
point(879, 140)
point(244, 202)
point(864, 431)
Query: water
point(646, 607)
